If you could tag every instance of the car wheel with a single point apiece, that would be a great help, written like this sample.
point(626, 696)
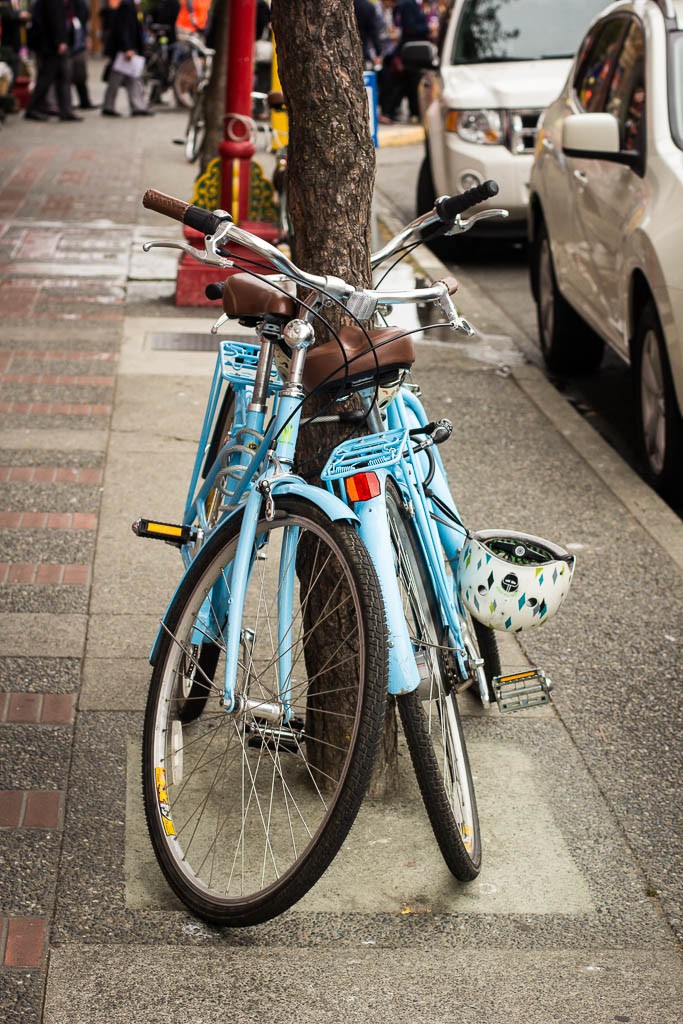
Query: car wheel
point(660, 426)
point(425, 187)
point(567, 343)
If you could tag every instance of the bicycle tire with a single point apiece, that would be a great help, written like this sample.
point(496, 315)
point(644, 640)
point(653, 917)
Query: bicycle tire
point(429, 715)
point(186, 83)
point(245, 813)
point(195, 132)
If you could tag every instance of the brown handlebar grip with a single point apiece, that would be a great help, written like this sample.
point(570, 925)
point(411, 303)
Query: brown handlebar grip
point(161, 203)
point(451, 284)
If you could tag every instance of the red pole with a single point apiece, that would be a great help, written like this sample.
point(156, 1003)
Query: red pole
point(236, 150)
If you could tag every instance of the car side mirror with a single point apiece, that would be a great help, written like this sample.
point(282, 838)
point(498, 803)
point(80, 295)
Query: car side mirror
point(420, 55)
point(596, 137)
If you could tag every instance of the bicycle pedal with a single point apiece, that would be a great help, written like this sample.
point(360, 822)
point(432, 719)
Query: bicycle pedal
point(171, 533)
point(522, 690)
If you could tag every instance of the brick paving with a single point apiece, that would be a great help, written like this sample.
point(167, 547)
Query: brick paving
point(69, 283)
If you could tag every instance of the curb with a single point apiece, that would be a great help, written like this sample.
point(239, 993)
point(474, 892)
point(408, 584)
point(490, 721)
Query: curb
point(399, 135)
point(649, 510)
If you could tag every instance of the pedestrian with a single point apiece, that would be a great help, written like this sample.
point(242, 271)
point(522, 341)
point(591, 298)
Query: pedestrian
point(263, 49)
point(413, 26)
point(125, 49)
point(51, 37)
point(79, 59)
point(192, 18)
point(369, 26)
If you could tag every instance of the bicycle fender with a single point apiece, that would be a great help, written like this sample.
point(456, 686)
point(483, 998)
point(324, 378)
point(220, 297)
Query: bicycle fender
point(404, 676)
point(330, 504)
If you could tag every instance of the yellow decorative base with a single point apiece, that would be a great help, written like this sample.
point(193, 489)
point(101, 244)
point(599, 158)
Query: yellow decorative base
point(262, 202)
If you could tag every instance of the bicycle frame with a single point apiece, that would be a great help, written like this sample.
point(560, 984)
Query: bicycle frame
point(439, 529)
point(260, 470)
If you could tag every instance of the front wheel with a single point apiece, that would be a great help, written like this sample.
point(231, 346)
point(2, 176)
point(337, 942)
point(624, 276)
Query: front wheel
point(567, 343)
point(429, 715)
point(246, 808)
point(659, 420)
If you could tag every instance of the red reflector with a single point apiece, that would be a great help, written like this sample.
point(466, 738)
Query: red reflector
point(363, 486)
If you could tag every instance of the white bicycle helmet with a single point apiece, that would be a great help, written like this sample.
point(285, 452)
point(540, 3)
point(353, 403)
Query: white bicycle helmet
point(512, 581)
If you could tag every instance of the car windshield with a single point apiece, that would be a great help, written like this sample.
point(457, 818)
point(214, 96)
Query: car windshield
point(677, 88)
point(499, 30)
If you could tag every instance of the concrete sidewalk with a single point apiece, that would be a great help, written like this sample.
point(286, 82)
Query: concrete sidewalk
point(576, 916)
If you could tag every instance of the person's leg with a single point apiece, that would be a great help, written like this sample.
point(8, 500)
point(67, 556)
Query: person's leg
point(47, 70)
point(136, 96)
point(115, 81)
point(63, 89)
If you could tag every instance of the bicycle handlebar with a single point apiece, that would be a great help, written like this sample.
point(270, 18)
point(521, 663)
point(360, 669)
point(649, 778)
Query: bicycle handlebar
point(448, 207)
point(219, 230)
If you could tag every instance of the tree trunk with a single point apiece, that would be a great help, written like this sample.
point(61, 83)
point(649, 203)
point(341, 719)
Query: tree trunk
point(215, 92)
point(331, 170)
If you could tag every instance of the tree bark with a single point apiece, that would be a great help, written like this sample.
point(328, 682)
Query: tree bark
point(331, 171)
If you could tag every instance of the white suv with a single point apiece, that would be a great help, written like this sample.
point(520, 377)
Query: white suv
point(501, 63)
point(605, 215)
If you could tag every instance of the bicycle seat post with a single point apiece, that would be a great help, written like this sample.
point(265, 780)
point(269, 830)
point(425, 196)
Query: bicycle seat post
point(259, 397)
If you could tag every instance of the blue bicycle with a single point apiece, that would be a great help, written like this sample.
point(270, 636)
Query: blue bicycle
point(303, 606)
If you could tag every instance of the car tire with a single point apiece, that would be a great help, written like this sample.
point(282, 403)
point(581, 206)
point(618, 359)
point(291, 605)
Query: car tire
point(568, 344)
point(426, 195)
point(660, 426)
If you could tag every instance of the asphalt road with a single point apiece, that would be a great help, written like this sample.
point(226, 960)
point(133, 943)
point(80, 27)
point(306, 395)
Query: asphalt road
point(501, 270)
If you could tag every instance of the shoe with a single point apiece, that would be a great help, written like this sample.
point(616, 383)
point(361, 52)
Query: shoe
point(35, 115)
point(142, 113)
point(89, 106)
point(110, 113)
point(70, 117)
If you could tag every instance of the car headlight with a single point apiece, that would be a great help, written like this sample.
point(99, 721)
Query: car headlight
point(482, 126)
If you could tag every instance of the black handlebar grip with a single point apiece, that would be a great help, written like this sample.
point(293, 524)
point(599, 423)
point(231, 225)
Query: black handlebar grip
point(202, 220)
point(194, 216)
point(448, 207)
point(214, 290)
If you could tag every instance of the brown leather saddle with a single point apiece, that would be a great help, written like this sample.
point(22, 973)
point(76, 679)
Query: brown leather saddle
point(357, 358)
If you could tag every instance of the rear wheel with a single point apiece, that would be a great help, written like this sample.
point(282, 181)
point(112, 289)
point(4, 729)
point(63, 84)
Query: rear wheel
point(567, 343)
point(659, 420)
point(247, 808)
point(429, 715)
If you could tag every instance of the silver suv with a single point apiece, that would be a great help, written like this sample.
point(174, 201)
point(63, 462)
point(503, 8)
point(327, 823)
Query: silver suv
point(605, 216)
point(501, 63)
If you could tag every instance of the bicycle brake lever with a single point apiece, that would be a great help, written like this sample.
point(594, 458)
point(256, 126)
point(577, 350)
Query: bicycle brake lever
point(456, 322)
point(461, 225)
point(211, 258)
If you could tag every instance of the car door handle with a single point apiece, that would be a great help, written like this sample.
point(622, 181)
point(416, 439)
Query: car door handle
point(581, 177)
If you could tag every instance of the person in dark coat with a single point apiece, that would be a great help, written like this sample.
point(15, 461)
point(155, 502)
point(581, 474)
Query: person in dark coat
point(79, 55)
point(52, 36)
point(368, 23)
point(125, 41)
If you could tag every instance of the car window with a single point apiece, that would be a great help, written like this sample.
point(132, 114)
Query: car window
point(597, 63)
point(625, 97)
point(500, 30)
